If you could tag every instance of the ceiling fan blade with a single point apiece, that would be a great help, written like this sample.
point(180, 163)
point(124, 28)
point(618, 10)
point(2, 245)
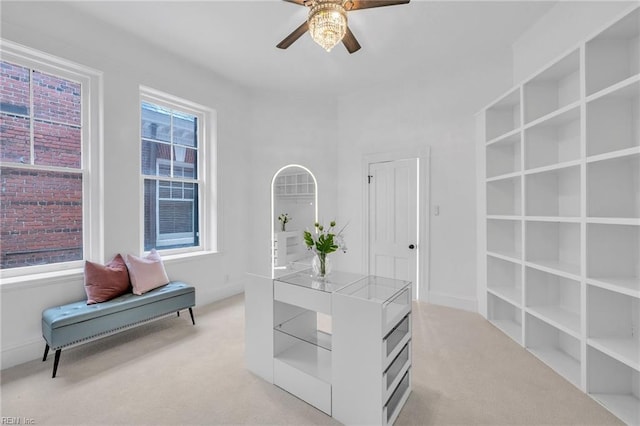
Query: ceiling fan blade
point(368, 4)
point(350, 41)
point(288, 40)
point(300, 2)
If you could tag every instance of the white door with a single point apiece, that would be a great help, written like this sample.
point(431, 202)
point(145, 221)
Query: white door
point(393, 232)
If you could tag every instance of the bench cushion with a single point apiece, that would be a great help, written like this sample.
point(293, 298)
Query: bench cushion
point(74, 322)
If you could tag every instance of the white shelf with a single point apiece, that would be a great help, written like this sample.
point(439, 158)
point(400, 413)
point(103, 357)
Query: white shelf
point(504, 279)
point(613, 252)
point(612, 121)
point(559, 317)
point(626, 407)
point(564, 269)
point(509, 256)
point(628, 286)
point(554, 298)
point(553, 141)
point(554, 347)
point(553, 193)
point(505, 237)
point(504, 156)
point(504, 197)
point(552, 89)
point(510, 294)
point(623, 350)
point(565, 365)
point(612, 56)
point(613, 221)
point(554, 245)
point(614, 385)
point(310, 359)
point(503, 116)
point(613, 321)
point(505, 316)
point(613, 187)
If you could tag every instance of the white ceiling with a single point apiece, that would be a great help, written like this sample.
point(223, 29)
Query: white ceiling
point(237, 39)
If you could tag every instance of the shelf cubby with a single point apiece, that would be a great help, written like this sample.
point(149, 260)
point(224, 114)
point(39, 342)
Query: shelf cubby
point(613, 187)
point(505, 316)
point(504, 196)
point(557, 349)
point(553, 298)
point(613, 121)
point(615, 385)
point(553, 89)
point(553, 141)
point(504, 156)
point(504, 279)
point(613, 55)
point(553, 193)
point(613, 255)
point(554, 245)
point(504, 237)
point(503, 116)
point(613, 322)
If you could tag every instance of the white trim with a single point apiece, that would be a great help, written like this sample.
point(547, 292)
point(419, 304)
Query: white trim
point(423, 260)
point(91, 81)
point(470, 305)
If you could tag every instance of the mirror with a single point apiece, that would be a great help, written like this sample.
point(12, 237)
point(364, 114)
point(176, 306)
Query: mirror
point(294, 208)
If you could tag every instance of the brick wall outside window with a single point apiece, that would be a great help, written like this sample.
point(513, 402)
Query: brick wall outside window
point(41, 186)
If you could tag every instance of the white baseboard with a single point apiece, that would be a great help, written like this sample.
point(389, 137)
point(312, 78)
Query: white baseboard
point(218, 293)
point(28, 351)
point(470, 305)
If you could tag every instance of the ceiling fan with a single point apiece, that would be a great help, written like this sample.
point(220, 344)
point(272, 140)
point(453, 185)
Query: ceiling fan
point(327, 21)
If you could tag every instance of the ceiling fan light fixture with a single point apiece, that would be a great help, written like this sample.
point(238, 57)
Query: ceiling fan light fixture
point(327, 23)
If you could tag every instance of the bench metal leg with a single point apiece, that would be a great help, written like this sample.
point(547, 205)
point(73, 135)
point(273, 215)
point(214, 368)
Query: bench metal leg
point(56, 360)
point(46, 352)
point(192, 319)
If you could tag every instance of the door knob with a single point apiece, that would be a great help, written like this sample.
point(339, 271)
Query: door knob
point(411, 246)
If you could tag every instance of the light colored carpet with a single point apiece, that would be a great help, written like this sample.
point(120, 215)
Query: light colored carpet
point(169, 372)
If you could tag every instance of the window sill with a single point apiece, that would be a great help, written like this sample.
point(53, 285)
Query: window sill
point(36, 280)
point(182, 257)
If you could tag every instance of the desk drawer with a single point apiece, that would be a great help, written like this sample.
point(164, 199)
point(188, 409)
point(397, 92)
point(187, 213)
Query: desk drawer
point(308, 298)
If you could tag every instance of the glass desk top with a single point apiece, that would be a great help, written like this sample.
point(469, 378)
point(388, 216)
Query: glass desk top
point(368, 287)
point(334, 281)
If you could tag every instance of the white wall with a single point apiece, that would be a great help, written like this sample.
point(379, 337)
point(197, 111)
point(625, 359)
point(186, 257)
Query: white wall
point(437, 112)
point(288, 129)
point(562, 28)
point(257, 133)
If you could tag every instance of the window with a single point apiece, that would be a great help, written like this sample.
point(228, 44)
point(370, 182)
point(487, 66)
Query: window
point(44, 140)
point(173, 172)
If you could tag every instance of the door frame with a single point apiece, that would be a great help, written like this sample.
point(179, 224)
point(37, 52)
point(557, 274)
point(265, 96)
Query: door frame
point(423, 255)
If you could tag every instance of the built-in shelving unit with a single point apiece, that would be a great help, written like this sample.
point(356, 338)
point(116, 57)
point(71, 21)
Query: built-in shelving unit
point(561, 217)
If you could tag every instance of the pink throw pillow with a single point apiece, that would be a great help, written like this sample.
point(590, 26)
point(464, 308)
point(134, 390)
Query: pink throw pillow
point(147, 272)
point(104, 282)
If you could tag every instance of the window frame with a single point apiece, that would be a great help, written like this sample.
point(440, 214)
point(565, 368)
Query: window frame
point(91, 82)
point(206, 165)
